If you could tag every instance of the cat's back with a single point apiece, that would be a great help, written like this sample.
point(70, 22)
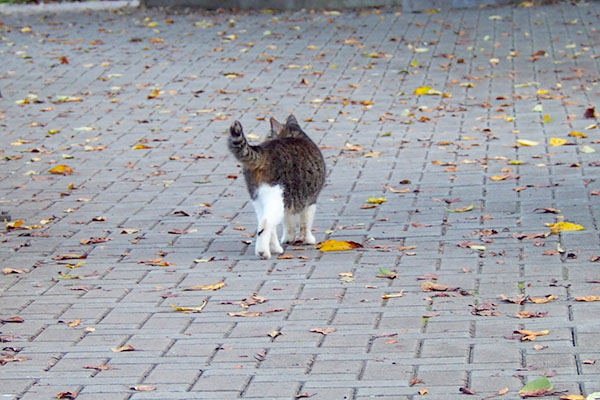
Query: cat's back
point(295, 163)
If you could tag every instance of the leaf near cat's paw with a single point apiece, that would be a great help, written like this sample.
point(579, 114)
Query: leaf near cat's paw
point(338, 245)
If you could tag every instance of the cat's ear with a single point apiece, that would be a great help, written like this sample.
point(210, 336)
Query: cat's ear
point(291, 121)
point(236, 129)
point(276, 128)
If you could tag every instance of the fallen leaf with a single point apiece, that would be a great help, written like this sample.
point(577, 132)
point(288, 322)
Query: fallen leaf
point(143, 388)
point(426, 90)
point(578, 134)
point(70, 256)
point(8, 271)
point(547, 210)
point(542, 300)
point(429, 286)
point(531, 314)
point(121, 349)
point(572, 397)
point(525, 142)
point(245, 314)
point(517, 300)
point(141, 146)
point(323, 331)
point(190, 309)
point(423, 392)
point(588, 298)
point(565, 227)
point(102, 367)
point(386, 273)
point(590, 113)
point(392, 295)
point(587, 149)
point(467, 390)
point(67, 395)
point(13, 320)
point(531, 335)
point(215, 286)
point(461, 209)
point(536, 388)
point(338, 245)
point(557, 141)
point(376, 200)
point(61, 170)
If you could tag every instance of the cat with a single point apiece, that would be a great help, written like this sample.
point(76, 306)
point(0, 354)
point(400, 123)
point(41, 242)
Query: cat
point(284, 176)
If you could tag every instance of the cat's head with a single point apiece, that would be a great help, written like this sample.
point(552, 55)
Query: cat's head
point(290, 128)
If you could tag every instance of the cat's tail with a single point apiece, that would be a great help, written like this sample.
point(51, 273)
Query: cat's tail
point(238, 145)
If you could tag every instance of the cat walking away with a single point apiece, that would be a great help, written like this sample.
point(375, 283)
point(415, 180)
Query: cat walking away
point(284, 176)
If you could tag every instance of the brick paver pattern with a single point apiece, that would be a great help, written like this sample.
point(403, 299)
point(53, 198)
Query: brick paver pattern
point(138, 103)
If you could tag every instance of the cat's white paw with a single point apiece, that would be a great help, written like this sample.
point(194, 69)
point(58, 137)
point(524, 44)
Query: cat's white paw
point(288, 238)
point(263, 253)
point(276, 248)
point(309, 238)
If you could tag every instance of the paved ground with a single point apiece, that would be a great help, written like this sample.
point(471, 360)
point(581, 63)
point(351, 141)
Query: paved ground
point(138, 104)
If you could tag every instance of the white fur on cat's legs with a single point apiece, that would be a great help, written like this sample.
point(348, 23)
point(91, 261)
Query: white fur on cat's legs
point(268, 205)
point(306, 220)
point(289, 229)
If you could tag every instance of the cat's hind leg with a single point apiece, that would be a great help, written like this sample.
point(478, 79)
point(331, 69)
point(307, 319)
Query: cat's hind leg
point(306, 220)
point(289, 228)
point(268, 205)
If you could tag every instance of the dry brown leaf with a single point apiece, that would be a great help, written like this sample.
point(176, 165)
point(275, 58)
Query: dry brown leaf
point(214, 286)
point(429, 286)
point(323, 331)
point(245, 314)
point(67, 395)
point(531, 335)
point(143, 388)
point(121, 349)
point(542, 300)
point(588, 298)
point(190, 309)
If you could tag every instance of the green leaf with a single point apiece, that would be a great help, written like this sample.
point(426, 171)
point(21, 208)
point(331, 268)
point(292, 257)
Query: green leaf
point(537, 387)
point(386, 273)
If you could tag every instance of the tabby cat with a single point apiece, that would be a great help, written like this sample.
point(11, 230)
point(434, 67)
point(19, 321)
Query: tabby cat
point(284, 176)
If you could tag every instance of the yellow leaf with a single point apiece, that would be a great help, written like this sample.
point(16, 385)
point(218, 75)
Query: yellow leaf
point(578, 134)
point(61, 170)
point(499, 177)
point(14, 224)
point(190, 309)
point(543, 91)
point(392, 295)
point(461, 209)
point(515, 162)
point(73, 266)
point(565, 227)
point(588, 298)
point(426, 90)
point(547, 119)
point(557, 141)
point(141, 146)
point(572, 397)
point(376, 200)
point(338, 245)
point(525, 142)
point(215, 286)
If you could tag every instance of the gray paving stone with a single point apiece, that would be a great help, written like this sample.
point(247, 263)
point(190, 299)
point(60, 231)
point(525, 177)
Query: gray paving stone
point(251, 66)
